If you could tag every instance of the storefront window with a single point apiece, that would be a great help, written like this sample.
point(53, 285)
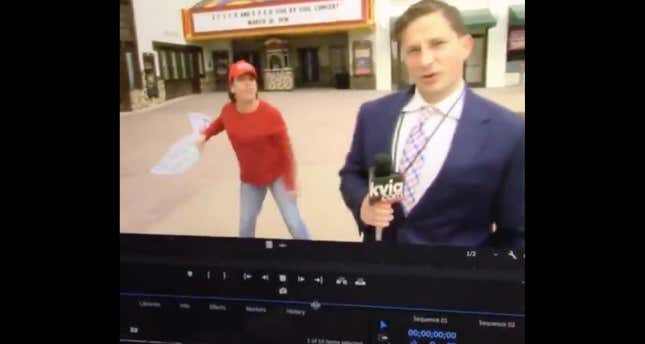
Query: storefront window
point(182, 72)
point(130, 66)
point(175, 73)
point(200, 63)
point(515, 57)
point(164, 64)
point(190, 65)
point(476, 63)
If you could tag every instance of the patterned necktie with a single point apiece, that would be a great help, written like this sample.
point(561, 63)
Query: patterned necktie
point(413, 145)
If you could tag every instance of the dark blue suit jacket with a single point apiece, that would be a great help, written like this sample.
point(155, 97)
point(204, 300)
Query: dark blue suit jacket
point(480, 183)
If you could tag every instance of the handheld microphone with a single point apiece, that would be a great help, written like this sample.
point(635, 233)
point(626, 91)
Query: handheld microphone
point(384, 184)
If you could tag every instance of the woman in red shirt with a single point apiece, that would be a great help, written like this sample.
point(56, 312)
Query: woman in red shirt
point(259, 138)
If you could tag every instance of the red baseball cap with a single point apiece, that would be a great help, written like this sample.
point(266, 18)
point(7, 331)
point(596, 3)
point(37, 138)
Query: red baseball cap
point(239, 68)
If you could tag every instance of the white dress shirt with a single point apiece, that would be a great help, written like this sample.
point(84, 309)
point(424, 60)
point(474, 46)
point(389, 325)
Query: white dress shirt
point(436, 150)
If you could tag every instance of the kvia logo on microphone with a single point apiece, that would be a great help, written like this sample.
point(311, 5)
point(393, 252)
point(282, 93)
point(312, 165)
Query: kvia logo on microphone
point(386, 188)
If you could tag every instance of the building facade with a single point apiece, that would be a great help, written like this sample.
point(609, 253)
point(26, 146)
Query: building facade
point(178, 47)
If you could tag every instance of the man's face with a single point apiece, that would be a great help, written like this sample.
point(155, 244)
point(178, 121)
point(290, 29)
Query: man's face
point(434, 55)
point(244, 87)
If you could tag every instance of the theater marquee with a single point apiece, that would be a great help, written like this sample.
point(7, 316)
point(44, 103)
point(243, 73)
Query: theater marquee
point(274, 17)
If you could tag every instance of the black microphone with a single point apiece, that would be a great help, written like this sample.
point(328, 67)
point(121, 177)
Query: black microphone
point(384, 184)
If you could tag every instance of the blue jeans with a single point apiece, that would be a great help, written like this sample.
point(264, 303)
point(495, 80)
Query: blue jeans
point(251, 198)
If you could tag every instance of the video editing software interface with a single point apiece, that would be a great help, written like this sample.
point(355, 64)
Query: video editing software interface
point(181, 289)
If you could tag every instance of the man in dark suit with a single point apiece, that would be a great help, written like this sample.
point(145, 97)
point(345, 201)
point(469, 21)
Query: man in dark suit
point(462, 156)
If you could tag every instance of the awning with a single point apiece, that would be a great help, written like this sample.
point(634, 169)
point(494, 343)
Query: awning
point(222, 19)
point(517, 15)
point(474, 19)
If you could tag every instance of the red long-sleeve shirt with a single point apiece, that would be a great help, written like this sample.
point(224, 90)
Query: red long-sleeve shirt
point(260, 142)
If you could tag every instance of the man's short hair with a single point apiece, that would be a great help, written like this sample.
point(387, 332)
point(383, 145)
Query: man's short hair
point(424, 7)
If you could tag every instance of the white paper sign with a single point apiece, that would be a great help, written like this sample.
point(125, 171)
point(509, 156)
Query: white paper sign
point(198, 122)
point(183, 154)
point(179, 158)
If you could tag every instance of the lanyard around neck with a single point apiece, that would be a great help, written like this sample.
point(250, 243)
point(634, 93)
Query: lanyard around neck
point(399, 124)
